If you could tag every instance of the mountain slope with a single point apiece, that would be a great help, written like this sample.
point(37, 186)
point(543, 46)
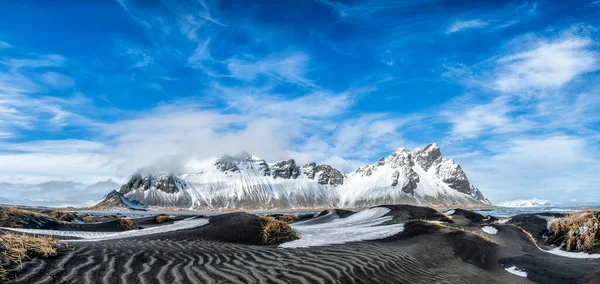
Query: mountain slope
point(421, 177)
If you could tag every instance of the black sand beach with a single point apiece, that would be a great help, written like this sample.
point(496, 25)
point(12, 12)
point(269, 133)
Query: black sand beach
point(222, 252)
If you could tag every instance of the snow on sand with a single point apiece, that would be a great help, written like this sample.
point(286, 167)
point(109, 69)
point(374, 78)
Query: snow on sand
point(360, 226)
point(103, 236)
point(516, 271)
point(490, 230)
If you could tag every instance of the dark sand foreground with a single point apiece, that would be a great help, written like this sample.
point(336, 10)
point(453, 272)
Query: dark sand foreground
point(422, 253)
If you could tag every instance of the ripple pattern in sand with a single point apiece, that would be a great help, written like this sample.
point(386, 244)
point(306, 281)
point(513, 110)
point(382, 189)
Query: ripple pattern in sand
point(197, 261)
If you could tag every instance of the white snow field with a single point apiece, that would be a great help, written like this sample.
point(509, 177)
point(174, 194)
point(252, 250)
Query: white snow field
point(360, 226)
point(559, 251)
point(516, 271)
point(490, 230)
point(503, 221)
point(103, 236)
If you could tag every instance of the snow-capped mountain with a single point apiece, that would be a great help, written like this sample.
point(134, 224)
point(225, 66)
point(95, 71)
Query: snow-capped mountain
point(534, 202)
point(421, 177)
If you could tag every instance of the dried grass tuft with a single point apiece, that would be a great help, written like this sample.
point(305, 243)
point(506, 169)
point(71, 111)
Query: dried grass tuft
point(579, 231)
point(18, 248)
point(288, 218)
point(276, 231)
point(162, 218)
point(14, 217)
point(87, 218)
point(127, 224)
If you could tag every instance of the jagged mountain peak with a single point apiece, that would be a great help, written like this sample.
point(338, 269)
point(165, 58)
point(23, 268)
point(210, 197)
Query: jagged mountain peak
point(283, 169)
point(429, 156)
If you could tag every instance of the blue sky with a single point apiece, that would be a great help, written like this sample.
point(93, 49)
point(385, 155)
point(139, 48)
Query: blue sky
point(93, 91)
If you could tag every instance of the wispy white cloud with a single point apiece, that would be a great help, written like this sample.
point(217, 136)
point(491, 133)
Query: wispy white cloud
point(132, 13)
point(190, 18)
point(4, 44)
point(21, 104)
point(317, 104)
point(169, 78)
point(548, 65)
point(201, 53)
point(290, 68)
point(470, 122)
point(465, 25)
point(531, 83)
point(49, 60)
point(140, 57)
point(57, 80)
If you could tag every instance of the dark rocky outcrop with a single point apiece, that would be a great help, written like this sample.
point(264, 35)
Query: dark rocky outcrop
point(328, 175)
point(308, 170)
point(262, 167)
point(165, 183)
point(453, 175)
point(395, 176)
point(285, 169)
point(428, 156)
point(411, 180)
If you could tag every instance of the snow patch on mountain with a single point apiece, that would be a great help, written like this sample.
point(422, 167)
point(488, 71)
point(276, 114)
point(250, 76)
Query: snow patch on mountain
point(534, 202)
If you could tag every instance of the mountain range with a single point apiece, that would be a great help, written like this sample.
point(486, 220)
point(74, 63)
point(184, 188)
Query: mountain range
point(243, 181)
point(534, 202)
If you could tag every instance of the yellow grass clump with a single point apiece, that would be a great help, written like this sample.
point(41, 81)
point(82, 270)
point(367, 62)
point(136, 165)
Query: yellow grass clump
point(59, 215)
point(127, 224)
point(579, 231)
point(162, 218)
point(287, 218)
point(13, 217)
point(87, 218)
point(276, 231)
point(18, 248)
